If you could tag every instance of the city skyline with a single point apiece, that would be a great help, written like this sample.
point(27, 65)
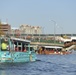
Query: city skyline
point(54, 16)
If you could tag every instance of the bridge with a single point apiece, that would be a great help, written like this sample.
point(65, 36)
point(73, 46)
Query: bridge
point(36, 44)
point(50, 44)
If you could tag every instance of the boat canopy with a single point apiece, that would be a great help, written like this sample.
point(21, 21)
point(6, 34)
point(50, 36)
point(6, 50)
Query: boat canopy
point(19, 39)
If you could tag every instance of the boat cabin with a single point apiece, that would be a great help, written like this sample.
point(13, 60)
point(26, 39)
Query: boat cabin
point(14, 44)
point(20, 45)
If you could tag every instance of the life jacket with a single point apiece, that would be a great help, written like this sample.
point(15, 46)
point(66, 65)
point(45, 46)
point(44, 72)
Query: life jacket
point(4, 46)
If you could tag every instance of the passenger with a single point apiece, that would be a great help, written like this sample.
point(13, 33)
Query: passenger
point(16, 48)
point(25, 50)
point(4, 45)
point(40, 50)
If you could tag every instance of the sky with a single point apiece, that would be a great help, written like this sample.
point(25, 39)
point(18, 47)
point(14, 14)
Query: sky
point(54, 16)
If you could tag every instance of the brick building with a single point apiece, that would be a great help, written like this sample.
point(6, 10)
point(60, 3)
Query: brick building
point(5, 28)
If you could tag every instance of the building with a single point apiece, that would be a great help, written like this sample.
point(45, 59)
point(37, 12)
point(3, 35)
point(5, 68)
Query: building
point(5, 28)
point(27, 29)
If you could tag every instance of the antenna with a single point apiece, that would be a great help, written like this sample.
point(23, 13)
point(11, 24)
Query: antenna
point(6, 20)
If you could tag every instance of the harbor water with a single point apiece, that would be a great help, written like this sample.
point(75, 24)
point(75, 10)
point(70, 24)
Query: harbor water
point(45, 65)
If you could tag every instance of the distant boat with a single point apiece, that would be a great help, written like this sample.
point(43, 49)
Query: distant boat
point(18, 50)
point(57, 50)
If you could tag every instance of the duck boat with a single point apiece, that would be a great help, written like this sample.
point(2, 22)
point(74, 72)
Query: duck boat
point(18, 50)
point(57, 50)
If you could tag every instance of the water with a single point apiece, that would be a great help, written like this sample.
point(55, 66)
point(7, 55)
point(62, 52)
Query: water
point(46, 65)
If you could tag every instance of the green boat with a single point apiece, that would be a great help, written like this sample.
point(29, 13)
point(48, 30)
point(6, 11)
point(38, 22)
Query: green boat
point(18, 50)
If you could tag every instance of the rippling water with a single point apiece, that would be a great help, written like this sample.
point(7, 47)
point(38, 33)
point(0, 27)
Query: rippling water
point(46, 65)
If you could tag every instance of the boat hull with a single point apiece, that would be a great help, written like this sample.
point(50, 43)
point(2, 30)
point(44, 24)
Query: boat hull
point(17, 56)
point(55, 52)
